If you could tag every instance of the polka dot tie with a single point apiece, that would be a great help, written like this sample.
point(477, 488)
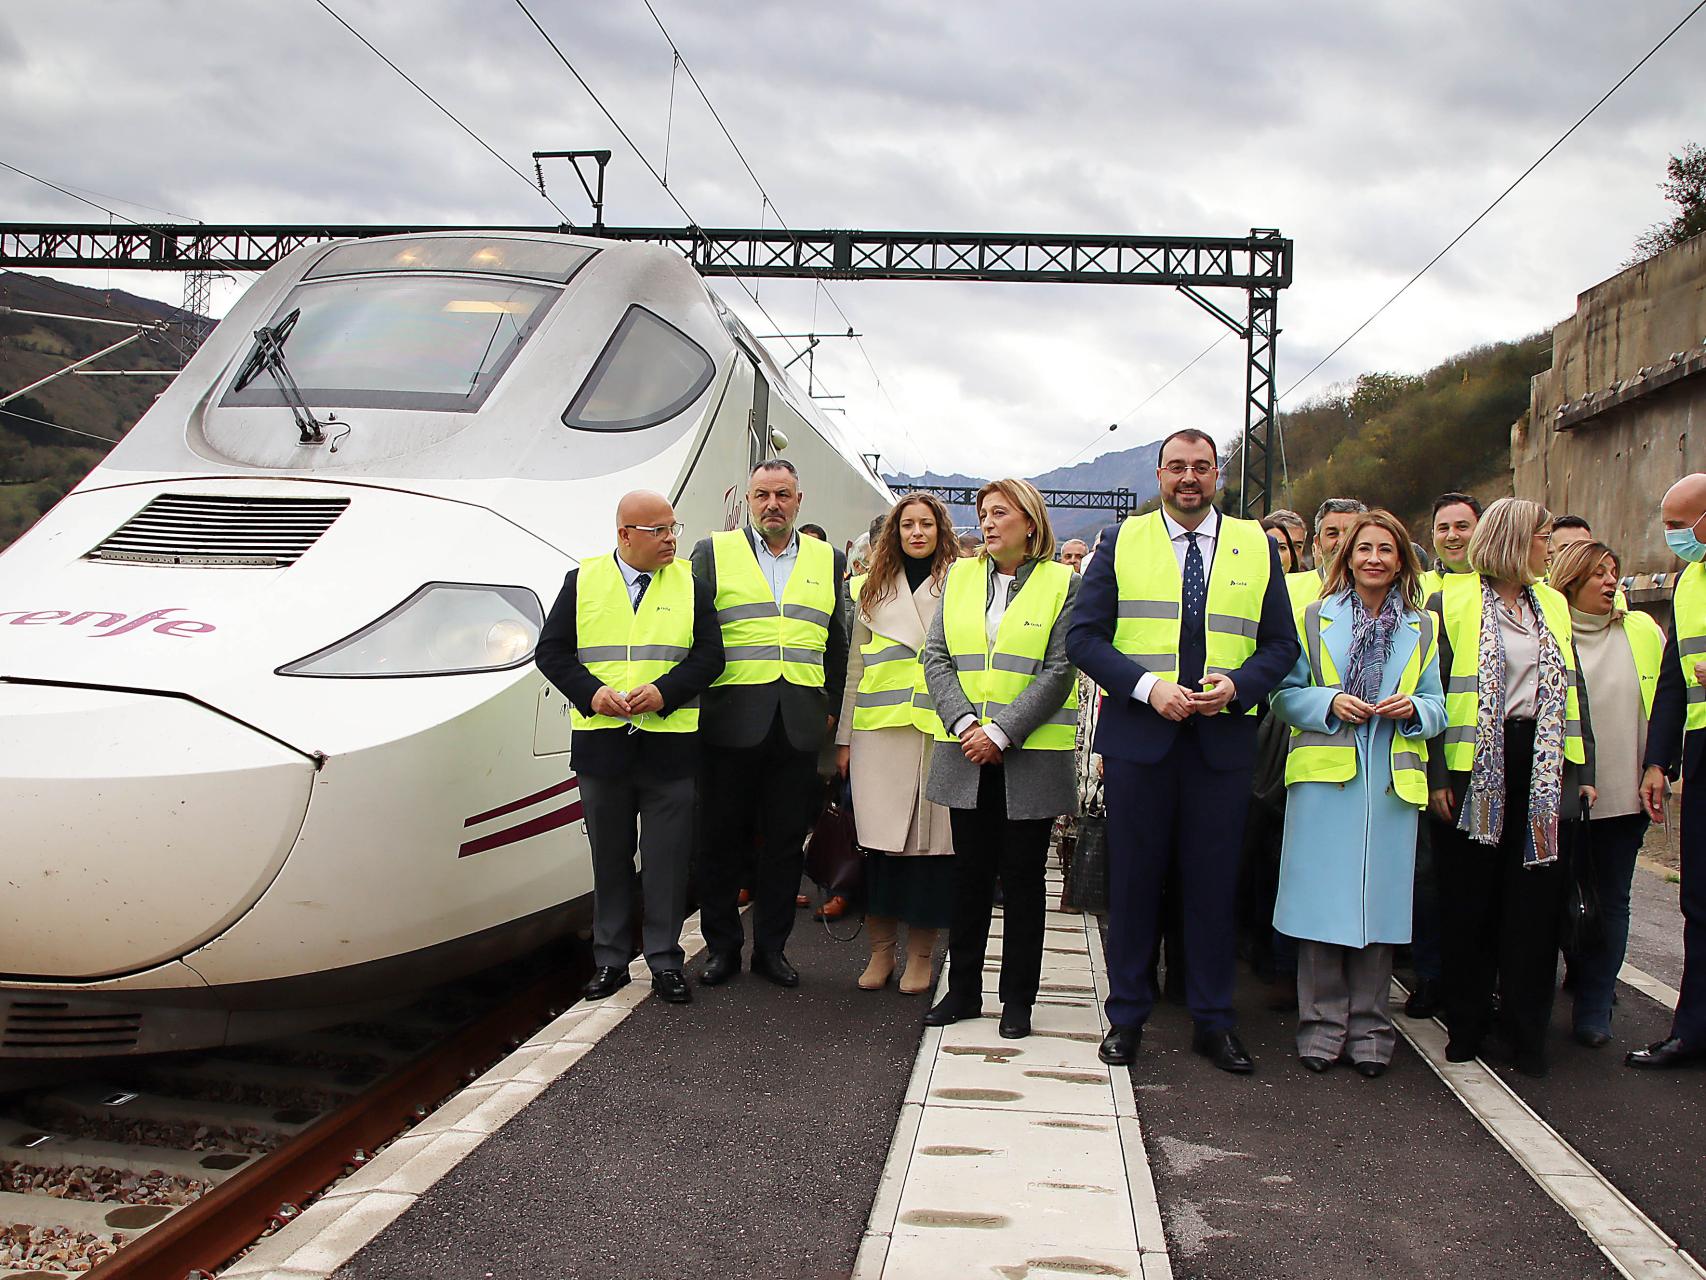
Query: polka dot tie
point(641, 582)
point(1195, 590)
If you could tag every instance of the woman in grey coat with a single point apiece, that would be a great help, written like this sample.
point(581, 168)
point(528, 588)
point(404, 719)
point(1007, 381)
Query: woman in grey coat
point(996, 667)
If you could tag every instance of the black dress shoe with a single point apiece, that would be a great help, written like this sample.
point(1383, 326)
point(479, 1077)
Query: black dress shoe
point(1224, 1050)
point(1531, 1062)
point(722, 966)
point(671, 986)
point(1462, 1051)
point(1370, 1070)
point(1590, 1038)
point(1015, 1022)
point(1666, 1053)
point(1315, 1064)
point(951, 1009)
point(1119, 1046)
point(774, 965)
point(607, 981)
point(1425, 1001)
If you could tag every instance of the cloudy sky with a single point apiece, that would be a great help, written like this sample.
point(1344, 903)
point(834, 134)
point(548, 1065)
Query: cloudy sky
point(1370, 132)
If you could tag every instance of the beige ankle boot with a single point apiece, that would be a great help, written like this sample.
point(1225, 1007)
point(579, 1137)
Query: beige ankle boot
point(881, 968)
point(919, 944)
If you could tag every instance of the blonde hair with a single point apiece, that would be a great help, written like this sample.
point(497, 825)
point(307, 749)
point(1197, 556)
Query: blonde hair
point(1409, 579)
point(1500, 546)
point(1578, 562)
point(1023, 494)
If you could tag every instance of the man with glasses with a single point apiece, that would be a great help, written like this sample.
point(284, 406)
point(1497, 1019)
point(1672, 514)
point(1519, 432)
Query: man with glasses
point(778, 602)
point(632, 642)
point(1184, 620)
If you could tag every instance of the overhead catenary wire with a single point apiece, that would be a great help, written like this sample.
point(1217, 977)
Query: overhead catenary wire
point(768, 203)
point(1497, 200)
point(58, 426)
point(1142, 404)
point(446, 111)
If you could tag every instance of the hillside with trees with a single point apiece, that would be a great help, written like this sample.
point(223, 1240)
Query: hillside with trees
point(51, 438)
point(1397, 440)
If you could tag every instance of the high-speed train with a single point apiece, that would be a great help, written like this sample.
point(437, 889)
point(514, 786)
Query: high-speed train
point(271, 736)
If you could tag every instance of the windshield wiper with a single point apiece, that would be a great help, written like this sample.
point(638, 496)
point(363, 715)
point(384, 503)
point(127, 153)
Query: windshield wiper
point(269, 355)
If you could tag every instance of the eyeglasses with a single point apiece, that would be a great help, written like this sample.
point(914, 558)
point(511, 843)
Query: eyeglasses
point(658, 530)
point(1195, 468)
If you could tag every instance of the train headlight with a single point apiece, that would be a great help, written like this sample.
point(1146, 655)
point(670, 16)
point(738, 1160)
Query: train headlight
point(442, 629)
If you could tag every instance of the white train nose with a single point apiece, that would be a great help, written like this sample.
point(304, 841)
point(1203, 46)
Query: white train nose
point(136, 827)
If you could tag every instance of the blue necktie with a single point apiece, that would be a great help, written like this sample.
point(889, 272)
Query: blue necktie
point(1192, 647)
point(641, 582)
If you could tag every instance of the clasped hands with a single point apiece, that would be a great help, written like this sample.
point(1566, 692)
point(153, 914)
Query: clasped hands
point(1353, 710)
point(978, 747)
point(624, 706)
point(1174, 701)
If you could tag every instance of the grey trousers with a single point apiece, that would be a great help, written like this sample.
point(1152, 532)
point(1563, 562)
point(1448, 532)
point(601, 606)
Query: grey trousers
point(660, 812)
point(1342, 995)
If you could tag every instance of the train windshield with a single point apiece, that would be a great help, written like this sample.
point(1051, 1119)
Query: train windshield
point(403, 342)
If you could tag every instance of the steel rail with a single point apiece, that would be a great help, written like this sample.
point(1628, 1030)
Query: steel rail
point(204, 1235)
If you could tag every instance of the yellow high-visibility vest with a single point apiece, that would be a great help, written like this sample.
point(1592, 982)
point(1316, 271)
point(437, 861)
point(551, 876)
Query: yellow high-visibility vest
point(992, 676)
point(627, 647)
point(1647, 646)
point(1146, 572)
point(891, 693)
point(1332, 757)
point(1304, 588)
point(764, 641)
point(1688, 607)
point(1460, 597)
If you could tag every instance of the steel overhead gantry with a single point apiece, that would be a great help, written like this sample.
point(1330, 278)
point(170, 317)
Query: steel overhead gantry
point(1121, 501)
point(1260, 264)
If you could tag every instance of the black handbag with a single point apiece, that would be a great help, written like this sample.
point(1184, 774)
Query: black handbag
point(1087, 882)
point(833, 860)
point(1583, 925)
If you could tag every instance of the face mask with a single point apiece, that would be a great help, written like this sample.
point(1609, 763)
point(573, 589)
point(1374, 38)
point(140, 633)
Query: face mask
point(1685, 544)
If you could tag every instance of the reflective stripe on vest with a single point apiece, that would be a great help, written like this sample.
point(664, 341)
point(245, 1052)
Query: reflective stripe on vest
point(1146, 572)
point(1332, 757)
point(891, 693)
point(993, 677)
point(764, 642)
point(1688, 608)
point(1460, 599)
point(624, 647)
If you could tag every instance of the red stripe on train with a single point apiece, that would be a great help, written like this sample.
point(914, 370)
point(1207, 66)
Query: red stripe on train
point(532, 827)
point(547, 794)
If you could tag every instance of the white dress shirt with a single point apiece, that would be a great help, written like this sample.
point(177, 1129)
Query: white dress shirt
point(1206, 533)
point(777, 568)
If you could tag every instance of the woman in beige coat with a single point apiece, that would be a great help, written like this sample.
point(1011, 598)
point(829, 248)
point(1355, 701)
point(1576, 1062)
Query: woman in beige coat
point(885, 738)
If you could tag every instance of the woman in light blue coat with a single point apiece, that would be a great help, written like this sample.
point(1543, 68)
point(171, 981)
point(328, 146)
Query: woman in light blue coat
point(1362, 701)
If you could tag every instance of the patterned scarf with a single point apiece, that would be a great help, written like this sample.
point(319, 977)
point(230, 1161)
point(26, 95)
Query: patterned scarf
point(1371, 645)
point(1483, 816)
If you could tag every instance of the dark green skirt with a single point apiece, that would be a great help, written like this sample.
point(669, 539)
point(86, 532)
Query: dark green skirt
point(917, 889)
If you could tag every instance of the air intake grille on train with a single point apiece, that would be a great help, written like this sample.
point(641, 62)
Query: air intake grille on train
point(215, 531)
point(53, 1024)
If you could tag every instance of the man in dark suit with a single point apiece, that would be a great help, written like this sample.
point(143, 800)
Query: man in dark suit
point(632, 642)
point(1185, 623)
point(1676, 735)
point(779, 602)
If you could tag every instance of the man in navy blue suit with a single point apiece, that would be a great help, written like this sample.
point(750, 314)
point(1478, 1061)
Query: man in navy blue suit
point(1184, 621)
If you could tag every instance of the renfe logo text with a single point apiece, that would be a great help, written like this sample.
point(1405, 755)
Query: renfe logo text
point(106, 624)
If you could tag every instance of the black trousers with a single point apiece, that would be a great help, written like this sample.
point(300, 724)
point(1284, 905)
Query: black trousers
point(1500, 920)
point(987, 841)
point(768, 795)
point(1689, 1026)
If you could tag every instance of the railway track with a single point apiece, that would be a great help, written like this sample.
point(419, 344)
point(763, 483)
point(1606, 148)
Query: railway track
point(168, 1168)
